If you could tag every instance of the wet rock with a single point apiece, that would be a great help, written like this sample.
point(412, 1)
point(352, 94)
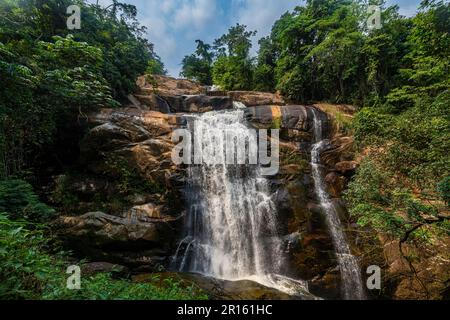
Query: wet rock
point(224, 290)
point(206, 103)
point(315, 218)
point(284, 117)
point(292, 241)
point(335, 184)
point(327, 286)
point(341, 209)
point(153, 102)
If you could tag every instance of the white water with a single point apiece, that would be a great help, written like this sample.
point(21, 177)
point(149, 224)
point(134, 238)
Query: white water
point(352, 285)
point(231, 223)
point(239, 105)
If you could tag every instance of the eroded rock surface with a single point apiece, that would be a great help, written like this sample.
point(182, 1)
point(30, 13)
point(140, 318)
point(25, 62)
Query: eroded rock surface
point(253, 98)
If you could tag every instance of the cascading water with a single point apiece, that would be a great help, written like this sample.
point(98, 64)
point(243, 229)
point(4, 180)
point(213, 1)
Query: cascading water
point(352, 285)
point(231, 227)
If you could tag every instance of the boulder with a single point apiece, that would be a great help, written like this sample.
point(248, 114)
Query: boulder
point(287, 117)
point(93, 268)
point(134, 240)
point(347, 167)
point(202, 103)
point(253, 98)
point(167, 86)
point(146, 212)
point(217, 289)
point(197, 103)
point(139, 139)
point(153, 102)
point(335, 184)
point(100, 229)
point(296, 121)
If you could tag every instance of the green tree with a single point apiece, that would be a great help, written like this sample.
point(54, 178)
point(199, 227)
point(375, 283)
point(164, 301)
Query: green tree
point(264, 75)
point(233, 69)
point(198, 66)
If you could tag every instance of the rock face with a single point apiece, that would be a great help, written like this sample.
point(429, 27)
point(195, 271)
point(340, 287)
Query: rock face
point(134, 194)
point(142, 139)
point(130, 177)
point(99, 235)
point(169, 95)
point(197, 103)
point(167, 86)
point(252, 98)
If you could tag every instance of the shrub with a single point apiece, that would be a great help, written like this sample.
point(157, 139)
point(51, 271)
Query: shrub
point(28, 271)
point(18, 200)
point(444, 190)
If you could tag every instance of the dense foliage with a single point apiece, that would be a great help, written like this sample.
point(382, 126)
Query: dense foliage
point(28, 271)
point(52, 76)
point(398, 75)
point(33, 267)
point(227, 63)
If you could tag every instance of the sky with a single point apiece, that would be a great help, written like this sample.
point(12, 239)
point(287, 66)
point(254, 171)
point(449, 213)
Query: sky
point(174, 25)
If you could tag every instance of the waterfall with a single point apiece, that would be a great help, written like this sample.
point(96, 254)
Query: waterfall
point(352, 285)
point(231, 227)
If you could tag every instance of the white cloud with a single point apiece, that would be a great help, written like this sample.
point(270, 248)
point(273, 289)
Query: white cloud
point(195, 14)
point(175, 24)
point(260, 15)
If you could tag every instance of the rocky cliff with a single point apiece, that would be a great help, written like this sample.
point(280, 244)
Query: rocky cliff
point(128, 200)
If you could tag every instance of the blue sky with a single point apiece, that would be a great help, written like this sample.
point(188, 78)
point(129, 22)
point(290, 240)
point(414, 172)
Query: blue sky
point(174, 25)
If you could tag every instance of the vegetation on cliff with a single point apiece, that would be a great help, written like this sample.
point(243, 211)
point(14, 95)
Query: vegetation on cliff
point(398, 75)
point(50, 78)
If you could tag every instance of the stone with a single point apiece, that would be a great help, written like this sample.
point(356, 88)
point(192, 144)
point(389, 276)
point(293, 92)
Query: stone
point(146, 212)
point(279, 117)
point(203, 103)
point(335, 184)
point(134, 101)
point(198, 103)
point(153, 102)
point(132, 240)
point(225, 290)
point(99, 229)
point(167, 86)
point(253, 98)
point(347, 167)
point(93, 268)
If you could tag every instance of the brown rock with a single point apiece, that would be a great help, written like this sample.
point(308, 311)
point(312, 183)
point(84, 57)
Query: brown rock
point(146, 212)
point(281, 117)
point(167, 86)
point(99, 229)
point(252, 98)
point(347, 167)
point(153, 102)
point(335, 183)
